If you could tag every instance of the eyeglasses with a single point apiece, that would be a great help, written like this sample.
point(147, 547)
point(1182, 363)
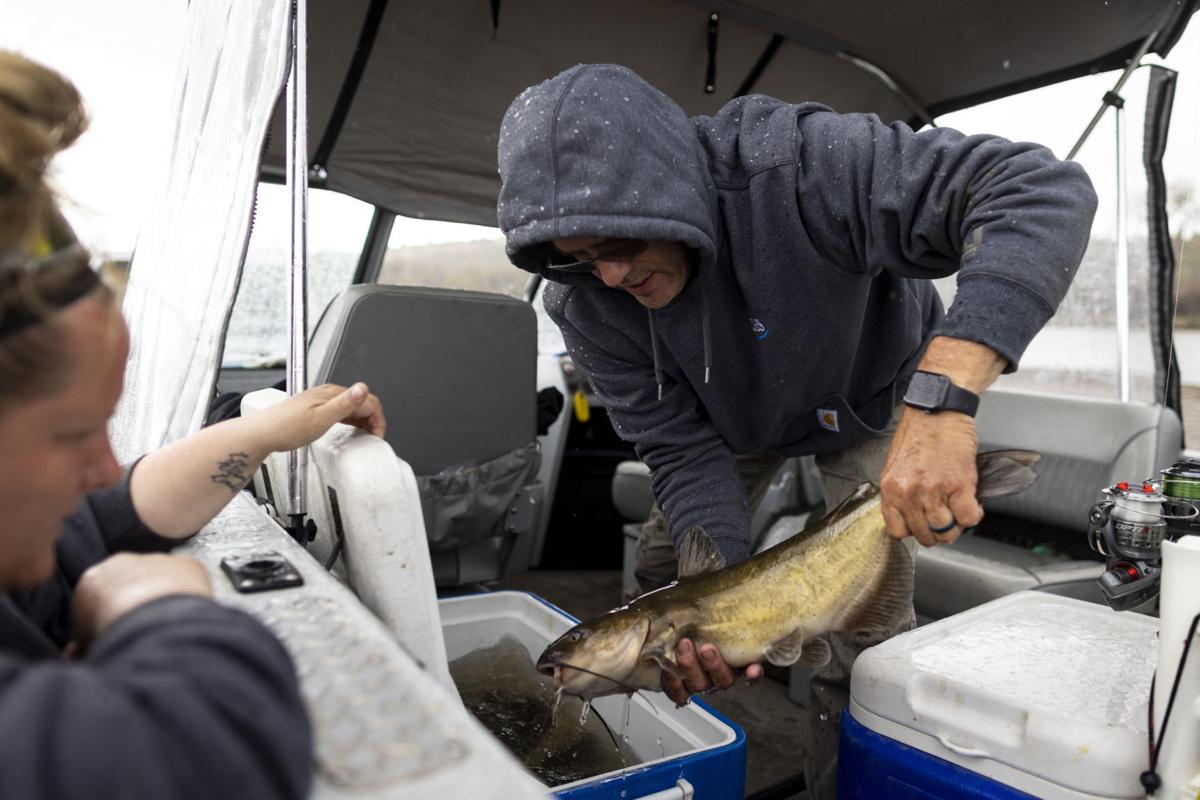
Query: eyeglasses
point(609, 250)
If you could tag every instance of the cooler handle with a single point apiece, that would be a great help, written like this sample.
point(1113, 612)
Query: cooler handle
point(682, 790)
point(960, 750)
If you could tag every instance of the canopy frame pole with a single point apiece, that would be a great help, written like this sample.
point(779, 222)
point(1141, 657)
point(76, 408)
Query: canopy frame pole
point(1122, 271)
point(893, 86)
point(1113, 95)
point(297, 185)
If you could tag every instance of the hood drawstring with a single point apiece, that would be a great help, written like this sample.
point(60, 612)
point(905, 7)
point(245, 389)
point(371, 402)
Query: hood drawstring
point(705, 327)
point(658, 376)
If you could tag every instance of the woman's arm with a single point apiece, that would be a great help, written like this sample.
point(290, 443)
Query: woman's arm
point(178, 489)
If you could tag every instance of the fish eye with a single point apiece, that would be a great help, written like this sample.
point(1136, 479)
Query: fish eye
point(575, 636)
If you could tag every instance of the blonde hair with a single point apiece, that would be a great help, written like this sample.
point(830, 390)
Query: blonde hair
point(41, 113)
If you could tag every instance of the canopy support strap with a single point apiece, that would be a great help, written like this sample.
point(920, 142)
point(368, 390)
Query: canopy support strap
point(345, 98)
point(710, 74)
point(760, 66)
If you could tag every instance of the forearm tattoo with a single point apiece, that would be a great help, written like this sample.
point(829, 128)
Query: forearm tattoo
point(232, 473)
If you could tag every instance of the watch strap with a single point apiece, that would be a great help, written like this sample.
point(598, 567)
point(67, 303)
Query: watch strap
point(933, 392)
point(960, 399)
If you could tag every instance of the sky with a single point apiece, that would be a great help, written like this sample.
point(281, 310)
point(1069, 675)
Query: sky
point(122, 54)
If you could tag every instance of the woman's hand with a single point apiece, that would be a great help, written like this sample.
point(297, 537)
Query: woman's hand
point(303, 419)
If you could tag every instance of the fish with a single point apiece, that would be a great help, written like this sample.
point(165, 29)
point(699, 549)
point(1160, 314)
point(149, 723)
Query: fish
point(847, 575)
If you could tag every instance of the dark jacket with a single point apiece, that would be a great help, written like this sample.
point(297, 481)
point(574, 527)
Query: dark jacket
point(180, 698)
point(815, 234)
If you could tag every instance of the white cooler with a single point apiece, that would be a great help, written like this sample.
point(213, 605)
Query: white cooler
point(1031, 694)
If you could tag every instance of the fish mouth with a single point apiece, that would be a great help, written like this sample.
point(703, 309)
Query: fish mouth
point(550, 667)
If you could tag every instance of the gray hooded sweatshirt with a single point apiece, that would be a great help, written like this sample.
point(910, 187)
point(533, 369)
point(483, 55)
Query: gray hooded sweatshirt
point(816, 235)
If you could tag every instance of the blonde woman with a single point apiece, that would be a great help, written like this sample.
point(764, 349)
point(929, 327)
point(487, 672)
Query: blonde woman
point(164, 693)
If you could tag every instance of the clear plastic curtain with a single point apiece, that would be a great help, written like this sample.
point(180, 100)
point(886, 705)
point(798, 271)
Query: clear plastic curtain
point(188, 261)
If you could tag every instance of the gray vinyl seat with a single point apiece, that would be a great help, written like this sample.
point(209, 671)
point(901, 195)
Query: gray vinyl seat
point(1086, 445)
point(456, 373)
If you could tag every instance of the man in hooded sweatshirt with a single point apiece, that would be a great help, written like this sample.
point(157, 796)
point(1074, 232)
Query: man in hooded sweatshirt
point(756, 284)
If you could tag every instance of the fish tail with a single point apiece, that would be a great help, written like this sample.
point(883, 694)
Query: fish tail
point(1005, 472)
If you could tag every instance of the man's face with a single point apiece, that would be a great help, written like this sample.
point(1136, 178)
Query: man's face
point(55, 447)
point(654, 272)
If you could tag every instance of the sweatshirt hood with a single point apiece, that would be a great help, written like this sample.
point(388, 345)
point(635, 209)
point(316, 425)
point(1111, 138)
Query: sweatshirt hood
point(597, 151)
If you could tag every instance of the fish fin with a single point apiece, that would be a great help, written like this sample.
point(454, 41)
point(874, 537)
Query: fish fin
point(659, 656)
point(659, 647)
point(698, 553)
point(1005, 472)
point(786, 651)
point(864, 490)
point(878, 611)
point(816, 653)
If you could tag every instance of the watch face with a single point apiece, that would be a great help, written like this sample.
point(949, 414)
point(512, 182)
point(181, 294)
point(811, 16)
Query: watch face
point(927, 391)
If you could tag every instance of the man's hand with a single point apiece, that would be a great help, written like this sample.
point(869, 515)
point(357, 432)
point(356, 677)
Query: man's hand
point(303, 419)
point(928, 484)
point(701, 672)
point(929, 480)
point(119, 584)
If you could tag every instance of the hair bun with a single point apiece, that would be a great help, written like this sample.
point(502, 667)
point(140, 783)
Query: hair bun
point(41, 113)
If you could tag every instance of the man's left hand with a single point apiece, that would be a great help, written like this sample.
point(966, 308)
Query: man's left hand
point(701, 670)
point(928, 484)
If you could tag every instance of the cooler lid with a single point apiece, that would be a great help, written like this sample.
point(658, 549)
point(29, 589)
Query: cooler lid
point(1049, 686)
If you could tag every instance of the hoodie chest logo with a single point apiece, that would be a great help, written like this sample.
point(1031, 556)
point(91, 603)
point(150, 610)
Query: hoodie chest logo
point(760, 331)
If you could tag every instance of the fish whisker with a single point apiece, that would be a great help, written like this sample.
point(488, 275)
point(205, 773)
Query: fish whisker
point(622, 684)
point(611, 735)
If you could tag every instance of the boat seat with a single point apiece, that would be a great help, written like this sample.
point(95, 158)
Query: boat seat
point(456, 372)
point(1036, 540)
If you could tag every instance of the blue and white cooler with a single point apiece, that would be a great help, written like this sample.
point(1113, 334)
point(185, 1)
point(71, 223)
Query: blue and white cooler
point(1031, 695)
point(682, 753)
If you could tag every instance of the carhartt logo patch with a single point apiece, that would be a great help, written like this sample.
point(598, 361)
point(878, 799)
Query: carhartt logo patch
point(827, 419)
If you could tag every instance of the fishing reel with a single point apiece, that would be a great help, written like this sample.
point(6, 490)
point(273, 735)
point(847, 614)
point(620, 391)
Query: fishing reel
point(1129, 529)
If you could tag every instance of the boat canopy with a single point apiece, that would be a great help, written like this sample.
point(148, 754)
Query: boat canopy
point(405, 99)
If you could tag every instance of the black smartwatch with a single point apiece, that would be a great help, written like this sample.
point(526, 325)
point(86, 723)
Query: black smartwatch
point(932, 392)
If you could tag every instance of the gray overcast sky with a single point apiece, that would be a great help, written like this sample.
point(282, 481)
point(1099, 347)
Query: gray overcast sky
point(123, 56)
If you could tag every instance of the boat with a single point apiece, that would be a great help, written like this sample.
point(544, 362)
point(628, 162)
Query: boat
point(398, 105)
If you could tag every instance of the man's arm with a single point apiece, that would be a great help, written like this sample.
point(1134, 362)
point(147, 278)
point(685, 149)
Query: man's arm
point(178, 489)
point(1008, 217)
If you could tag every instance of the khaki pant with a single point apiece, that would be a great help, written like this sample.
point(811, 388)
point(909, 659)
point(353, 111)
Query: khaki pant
point(828, 690)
